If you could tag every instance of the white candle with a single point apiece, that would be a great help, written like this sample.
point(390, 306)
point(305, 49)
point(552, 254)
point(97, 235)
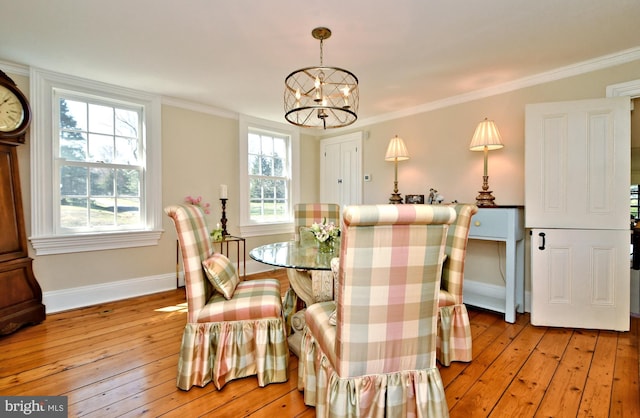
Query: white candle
point(223, 191)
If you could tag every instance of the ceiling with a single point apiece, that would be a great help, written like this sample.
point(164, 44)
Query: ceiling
point(235, 54)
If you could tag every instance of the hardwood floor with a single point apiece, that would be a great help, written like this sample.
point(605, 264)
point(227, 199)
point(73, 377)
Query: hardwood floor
point(120, 359)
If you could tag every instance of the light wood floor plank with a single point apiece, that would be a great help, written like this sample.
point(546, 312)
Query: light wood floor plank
point(522, 397)
point(565, 390)
point(120, 359)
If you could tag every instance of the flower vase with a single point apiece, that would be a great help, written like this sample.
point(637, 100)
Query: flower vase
point(325, 246)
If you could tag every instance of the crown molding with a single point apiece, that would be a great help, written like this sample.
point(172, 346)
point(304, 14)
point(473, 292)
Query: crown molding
point(13, 68)
point(199, 107)
point(606, 61)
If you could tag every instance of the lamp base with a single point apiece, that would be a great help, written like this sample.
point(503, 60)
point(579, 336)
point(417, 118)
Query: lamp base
point(395, 199)
point(485, 198)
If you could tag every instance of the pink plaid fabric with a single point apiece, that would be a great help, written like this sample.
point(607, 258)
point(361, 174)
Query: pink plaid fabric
point(380, 357)
point(308, 286)
point(252, 299)
point(306, 214)
point(226, 339)
point(454, 329)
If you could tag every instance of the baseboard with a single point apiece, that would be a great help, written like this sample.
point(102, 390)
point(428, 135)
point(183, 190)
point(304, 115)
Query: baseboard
point(476, 293)
point(78, 297)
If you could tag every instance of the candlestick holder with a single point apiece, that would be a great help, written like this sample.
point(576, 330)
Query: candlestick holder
point(223, 220)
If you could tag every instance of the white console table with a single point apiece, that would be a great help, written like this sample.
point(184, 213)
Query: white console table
point(502, 223)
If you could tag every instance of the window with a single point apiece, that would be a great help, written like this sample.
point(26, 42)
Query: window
point(99, 164)
point(269, 179)
point(268, 174)
point(96, 165)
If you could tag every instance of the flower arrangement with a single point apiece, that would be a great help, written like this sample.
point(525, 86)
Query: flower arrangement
point(197, 201)
point(325, 231)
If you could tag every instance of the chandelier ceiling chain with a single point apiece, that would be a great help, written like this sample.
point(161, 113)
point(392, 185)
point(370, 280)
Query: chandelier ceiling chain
point(321, 97)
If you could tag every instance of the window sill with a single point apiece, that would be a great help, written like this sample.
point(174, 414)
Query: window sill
point(63, 244)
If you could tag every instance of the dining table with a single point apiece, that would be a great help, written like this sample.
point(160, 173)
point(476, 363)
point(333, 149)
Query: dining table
point(308, 268)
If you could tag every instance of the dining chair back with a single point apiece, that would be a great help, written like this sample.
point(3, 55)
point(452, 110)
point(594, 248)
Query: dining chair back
point(454, 328)
point(372, 351)
point(234, 328)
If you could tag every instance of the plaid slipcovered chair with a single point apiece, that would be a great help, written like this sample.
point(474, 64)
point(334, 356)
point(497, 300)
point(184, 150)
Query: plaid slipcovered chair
point(454, 329)
point(315, 286)
point(309, 286)
point(372, 352)
point(226, 339)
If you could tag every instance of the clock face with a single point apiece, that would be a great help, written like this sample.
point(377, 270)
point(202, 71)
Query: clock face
point(11, 110)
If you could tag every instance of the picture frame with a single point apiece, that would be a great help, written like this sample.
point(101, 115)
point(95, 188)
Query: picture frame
point(414, 199)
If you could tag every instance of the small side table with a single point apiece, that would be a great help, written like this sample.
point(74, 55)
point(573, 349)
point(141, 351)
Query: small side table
point(224, 249)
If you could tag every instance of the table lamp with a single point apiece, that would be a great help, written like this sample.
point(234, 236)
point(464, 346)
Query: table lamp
point(485, 138)
point(396, 151)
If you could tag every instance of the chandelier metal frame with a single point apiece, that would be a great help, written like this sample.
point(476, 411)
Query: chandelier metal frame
point(321, 97)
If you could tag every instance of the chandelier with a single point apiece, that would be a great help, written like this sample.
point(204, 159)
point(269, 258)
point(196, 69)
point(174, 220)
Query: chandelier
point(321, 97)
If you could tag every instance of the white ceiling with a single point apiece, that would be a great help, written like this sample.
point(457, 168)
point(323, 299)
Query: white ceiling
point(235, 54)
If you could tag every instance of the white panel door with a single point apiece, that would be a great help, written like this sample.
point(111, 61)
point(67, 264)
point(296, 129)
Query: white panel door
point(577, 165)
point(330, 173)
point(582, 278)
point(341, 170)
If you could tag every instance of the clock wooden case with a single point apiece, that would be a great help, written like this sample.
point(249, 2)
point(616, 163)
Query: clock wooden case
point(20, 294)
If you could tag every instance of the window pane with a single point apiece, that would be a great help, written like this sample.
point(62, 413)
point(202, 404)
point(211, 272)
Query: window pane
point(73, 115)
point(254, 165)
point(102, 182)
point(127, 123)
point(255, 189)
point(101, 148)
point(268, 189)
point(267, 145)
point(126, 151)
point(73, 146)
point(281, 189)
point(278, 167)
point(102, 211)
point(254, 144)
point(128, 211)
point(266, 164)
point(280, 208)
point(255, 208)
point(128, 182)
point(73, 213)
point(73, 181)
point(280, 148)
point(101, 119)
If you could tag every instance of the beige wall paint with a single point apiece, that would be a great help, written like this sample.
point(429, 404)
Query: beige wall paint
point(438, 141)
point(200, 152)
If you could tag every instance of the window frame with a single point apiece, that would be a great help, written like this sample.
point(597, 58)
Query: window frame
point(249, 228)
point(45, 237)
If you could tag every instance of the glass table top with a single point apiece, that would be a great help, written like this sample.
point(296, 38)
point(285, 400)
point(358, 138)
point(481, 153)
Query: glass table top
point(292, 254)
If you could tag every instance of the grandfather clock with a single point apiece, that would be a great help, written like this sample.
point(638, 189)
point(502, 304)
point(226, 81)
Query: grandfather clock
point(20, 293)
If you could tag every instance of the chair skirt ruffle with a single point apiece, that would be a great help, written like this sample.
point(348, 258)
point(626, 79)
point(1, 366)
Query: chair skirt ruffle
point(223, 351)
point(454, 335)
point(409, 393)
